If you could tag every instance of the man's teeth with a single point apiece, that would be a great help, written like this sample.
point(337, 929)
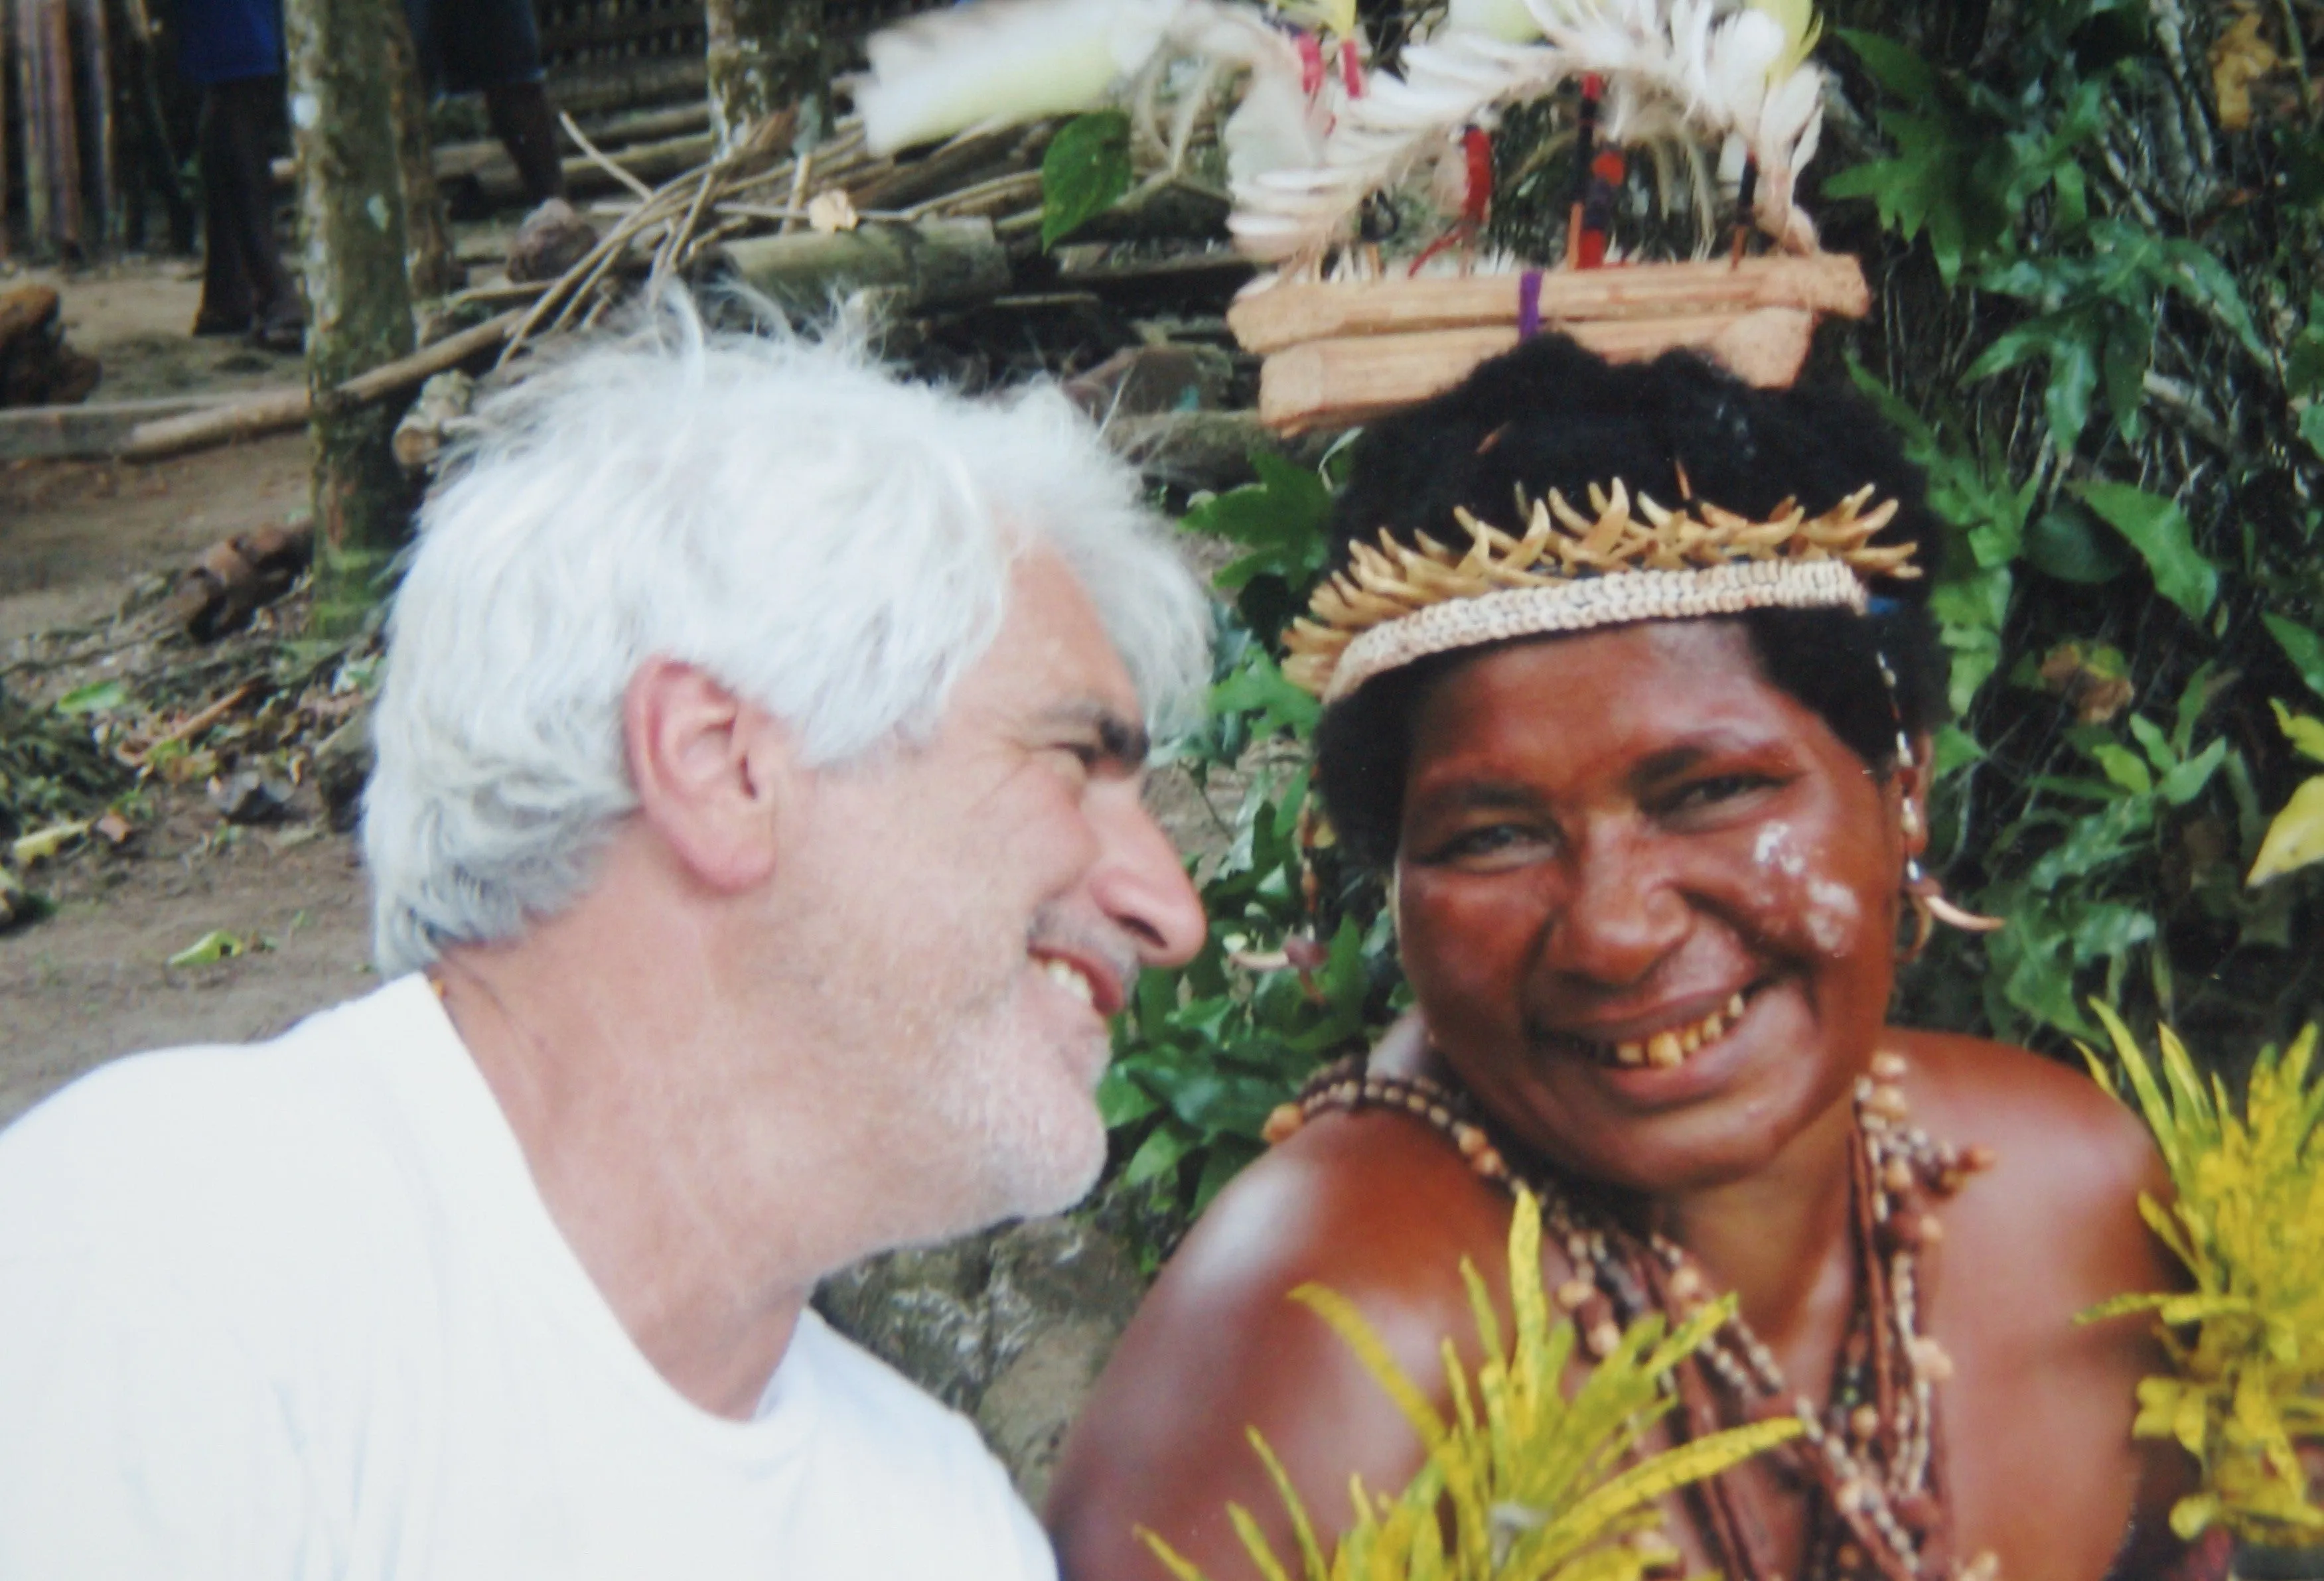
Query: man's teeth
point(1070, 978)
point(1669, 1048)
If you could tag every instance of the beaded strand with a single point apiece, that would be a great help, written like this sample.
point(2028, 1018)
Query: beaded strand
point(1872, 1454)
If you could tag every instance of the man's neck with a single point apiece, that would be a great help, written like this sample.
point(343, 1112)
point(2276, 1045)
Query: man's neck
point(703, 1213)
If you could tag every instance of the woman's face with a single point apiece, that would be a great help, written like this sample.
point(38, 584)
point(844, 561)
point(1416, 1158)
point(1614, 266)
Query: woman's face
point(1647, 900)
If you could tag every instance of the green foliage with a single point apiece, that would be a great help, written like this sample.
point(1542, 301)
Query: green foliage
point(2246, 1343)
point(1084, 172)
point(51, 766)
point(1299, 967)
point(2127, 580)
point(1539, 1486)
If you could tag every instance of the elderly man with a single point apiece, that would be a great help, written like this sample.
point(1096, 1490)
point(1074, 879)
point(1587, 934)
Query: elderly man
point(758, 852)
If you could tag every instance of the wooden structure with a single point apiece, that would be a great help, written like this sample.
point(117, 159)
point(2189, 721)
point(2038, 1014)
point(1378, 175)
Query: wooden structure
point(1338, 353)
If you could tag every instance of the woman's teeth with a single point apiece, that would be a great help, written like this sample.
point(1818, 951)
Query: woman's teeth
point(1671, 1047)
point(1071, 979)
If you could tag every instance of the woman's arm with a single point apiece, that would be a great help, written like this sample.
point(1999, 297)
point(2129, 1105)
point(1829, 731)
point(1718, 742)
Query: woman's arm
point(1376, 1207)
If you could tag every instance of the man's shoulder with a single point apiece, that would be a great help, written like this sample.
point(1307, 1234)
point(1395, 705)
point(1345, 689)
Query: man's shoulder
point(860, 1397)
point(883, 1443)
point(144, 1145)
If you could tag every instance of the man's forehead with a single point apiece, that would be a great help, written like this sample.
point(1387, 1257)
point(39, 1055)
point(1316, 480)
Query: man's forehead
point(1053, 655)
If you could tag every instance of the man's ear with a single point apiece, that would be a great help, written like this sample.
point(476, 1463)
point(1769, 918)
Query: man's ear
point(710, 771)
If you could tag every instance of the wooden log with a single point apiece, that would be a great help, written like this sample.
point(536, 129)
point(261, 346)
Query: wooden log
point(1338, 383)
point(1286, 314)
point(1202, 450)
point(486, 168)
point(936, 263)
point(90, 429)
point(278, 412)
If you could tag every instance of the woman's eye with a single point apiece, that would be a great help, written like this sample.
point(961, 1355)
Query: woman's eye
point(1488, 846)
point(1717, 789)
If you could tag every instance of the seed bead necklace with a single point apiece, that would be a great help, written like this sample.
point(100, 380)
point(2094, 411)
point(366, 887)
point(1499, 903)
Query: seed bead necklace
point(1871, 1460)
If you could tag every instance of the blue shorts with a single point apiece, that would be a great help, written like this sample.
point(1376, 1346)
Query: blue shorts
point(227, 40)
point(464, 45)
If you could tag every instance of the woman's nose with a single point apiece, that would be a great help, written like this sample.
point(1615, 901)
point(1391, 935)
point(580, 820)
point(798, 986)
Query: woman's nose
point(1620, 915)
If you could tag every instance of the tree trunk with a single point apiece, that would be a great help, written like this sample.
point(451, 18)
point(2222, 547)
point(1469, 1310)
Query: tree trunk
point(352, 256)
point(426, 238)
point(764, 55)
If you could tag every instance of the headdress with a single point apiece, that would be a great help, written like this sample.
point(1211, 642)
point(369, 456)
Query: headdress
point(1635, 560)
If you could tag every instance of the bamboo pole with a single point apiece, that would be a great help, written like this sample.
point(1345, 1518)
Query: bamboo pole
point(1289, 314)
point(33, 101)
point(68, 221)
point(1337, 384)
point(100, 156)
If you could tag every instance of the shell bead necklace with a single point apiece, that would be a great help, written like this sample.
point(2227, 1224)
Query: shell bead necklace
point(1870, 1461)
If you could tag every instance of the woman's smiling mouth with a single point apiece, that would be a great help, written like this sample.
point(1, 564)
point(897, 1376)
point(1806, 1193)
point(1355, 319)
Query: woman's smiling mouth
point(1666, 1048)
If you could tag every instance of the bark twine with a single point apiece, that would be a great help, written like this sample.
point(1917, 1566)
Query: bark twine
point(764, 55)
point(352, 255)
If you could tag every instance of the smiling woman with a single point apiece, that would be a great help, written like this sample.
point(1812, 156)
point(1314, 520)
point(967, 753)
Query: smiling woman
point(1629, 690)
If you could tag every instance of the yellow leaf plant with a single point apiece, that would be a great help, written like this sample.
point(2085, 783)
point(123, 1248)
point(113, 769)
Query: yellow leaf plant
point(2246, 1343)
point(1526, 1483)
point(2295, 836)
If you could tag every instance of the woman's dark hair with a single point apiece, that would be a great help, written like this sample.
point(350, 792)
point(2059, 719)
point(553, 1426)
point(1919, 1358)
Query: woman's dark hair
point(1552, 416)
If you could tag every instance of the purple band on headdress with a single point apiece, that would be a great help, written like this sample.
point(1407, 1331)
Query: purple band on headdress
point(1529, 304)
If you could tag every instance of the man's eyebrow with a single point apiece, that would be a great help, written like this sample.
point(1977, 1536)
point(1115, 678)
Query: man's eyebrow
point(1121, 739)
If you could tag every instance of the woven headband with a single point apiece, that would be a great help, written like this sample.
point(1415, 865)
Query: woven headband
point(1569, 572)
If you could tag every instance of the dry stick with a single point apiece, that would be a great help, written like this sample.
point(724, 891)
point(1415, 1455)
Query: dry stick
point(799, 167)
point(596, 157)
point(672, 252)
point(608, 246)
point(197, 724)
point(994, 190)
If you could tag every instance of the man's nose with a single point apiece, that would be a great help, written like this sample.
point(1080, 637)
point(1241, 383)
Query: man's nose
point(1139, 883)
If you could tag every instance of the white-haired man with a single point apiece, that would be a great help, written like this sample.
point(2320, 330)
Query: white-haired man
point(757, 846)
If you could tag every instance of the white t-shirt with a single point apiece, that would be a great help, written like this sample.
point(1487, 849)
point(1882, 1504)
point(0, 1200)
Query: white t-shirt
point(296, 1310)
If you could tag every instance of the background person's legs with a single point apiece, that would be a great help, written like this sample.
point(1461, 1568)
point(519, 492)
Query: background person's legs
point(493, 47)
point(245, 287)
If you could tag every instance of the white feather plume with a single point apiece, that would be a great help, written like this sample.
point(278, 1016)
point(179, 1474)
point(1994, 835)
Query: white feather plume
point(997, 62)
point(1695, 75)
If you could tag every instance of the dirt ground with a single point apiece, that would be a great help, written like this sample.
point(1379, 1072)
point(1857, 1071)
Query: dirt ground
point(90, 982)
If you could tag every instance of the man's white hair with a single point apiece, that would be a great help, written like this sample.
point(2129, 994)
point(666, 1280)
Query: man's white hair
point(830, 542)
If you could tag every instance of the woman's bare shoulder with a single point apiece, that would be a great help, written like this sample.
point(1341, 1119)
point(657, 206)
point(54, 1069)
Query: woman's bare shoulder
point(2068, 1163)
point(1378, 1208)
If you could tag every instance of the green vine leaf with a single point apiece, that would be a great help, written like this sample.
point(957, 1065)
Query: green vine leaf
point(2302, 646)
point(1084, 172)
point(2164, 539)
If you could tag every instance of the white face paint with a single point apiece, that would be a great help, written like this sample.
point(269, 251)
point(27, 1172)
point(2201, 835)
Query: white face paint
point(1832, 915)
point(1773, 849)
